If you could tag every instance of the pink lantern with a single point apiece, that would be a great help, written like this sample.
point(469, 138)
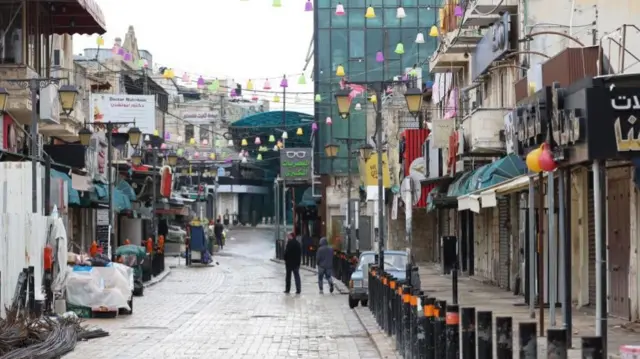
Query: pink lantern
point(284, 83)
point(267, 85)
point(314, 127)
point(163, 146)
point(115, 49)
point(205, 142)
point(196, 154)
point(257, 141)
point(328, 121)
point(200, 82)
point(339, 10)
point(185, 77)
point(379, 56)
point(254, 98)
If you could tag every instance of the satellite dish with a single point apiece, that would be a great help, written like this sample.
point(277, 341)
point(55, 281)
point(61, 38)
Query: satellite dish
point(417, 173)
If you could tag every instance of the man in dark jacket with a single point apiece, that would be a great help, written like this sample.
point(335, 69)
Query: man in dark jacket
point(324, 261)
point(292, 258)
point(218, 231)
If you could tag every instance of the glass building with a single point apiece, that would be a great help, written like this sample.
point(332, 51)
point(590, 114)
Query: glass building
point(353, 41)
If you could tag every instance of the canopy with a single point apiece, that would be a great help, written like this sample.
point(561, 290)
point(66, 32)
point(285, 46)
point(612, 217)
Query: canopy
point(73, 195)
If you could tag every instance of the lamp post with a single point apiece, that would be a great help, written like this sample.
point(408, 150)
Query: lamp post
point(67, 95)
point(344, 103)
point(134, 138)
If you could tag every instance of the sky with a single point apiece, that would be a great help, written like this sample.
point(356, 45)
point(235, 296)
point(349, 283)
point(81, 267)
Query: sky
point(233, 39)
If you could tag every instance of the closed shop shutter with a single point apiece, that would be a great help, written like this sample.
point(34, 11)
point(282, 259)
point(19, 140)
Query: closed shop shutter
point(504, 250)
point(592, 242)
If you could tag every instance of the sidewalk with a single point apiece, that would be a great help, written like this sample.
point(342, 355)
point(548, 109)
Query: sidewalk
point(473, 293)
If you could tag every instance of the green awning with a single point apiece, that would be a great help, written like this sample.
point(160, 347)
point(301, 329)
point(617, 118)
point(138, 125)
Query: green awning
point(100, 195)
point(438, 197)
point(459, 186)
point(307, 199)
point(504, 169)
point(73, 195)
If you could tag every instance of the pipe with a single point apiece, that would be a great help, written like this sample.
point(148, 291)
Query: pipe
point(532, 249)
point(553, 248)
point(601, 252)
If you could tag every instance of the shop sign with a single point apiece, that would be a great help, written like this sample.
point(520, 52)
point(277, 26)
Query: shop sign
point(531, 123)
point(627, 134)
point(295, 164)
point(567, 125)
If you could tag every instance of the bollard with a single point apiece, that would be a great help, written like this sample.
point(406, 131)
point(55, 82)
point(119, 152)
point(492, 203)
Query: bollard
point(406, 323)
point(452, 322)
point(504, 338)
point(416, 312)
point(383, 295)
point(592, 348)
point(429, 313)
point(390, 303)
point(468, 329)
point(528, 333)
point(397, 314)
point(557, 343)
point(421, 335)
point(440, 346)
point(484, 335)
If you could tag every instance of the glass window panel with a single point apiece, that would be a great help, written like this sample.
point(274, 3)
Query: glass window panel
point(427, 18)
point(339, 50)
point(356, 17)
point(410, 47)
point(374, 44)
point(412, 18)
point(350, 4)
point(390, 19)
point(376, 22)
point(356, 44)
point(338, 22)
point(324, 18)
point(392, 69)
point(321, 4)
point(393, 37)
point(375, 3)
point(426, 2)
point(409, 3)
point(358, 70)
point(324, 57)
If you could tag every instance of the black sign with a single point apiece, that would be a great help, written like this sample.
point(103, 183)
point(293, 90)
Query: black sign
point(531, 122)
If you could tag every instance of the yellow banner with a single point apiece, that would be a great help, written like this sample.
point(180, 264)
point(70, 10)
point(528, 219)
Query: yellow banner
point(369, 171)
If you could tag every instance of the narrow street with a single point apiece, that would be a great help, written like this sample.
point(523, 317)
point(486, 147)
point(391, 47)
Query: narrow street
point(235, 309)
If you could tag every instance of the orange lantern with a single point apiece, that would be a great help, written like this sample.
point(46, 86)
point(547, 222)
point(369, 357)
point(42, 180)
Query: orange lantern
point(161, 244)
point(48, 257)
point(94, 249)
point(149, 245)
point(166, 179)
point(546, 161)
point(127, 241)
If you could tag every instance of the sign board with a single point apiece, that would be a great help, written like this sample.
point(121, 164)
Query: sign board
point(369, 171)
point(491, 47)
point(207, 116)
point(221, 172)
point(510, 134)
point(295, 164)
point(441, 130)
point(124, 108)
point(50, 107)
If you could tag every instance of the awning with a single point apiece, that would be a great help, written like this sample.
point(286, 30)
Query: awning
point(100, 196)
point(470, 202)
point(73, 195)
point(488, 197)
point(82, 17)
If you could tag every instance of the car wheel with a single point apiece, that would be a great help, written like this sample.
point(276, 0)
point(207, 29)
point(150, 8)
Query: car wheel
point(353, 303)
point(364, 302)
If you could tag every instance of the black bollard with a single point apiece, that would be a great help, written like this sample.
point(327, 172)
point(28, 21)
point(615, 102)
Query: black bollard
point(468, 332)
point(406, 321)
point(421, 336)
point(439, 329)
point(383, 294)
point(416, 312)
point(452, 322)
point(592, 348)
point(528, 333)
point(504, 338)
point(557, 343)
point(397, 314)
point(485, 335)
point(391, 293)
point(429, 313)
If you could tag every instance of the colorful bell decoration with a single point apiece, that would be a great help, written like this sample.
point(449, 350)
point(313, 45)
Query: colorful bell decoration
point(379, 56)
point(212, 156)
point(185, 77)
point(328, 121)
point(120, 51)
point(277, 3)
point(420, 38)
point(167, 135)
point(167, 73)
point(358, 107)
point(180, 152)
point(340, 71)
point(371, 13)
point(299, 132)
point(285, 135)
point(413, 72)
point(156, 133)
point(314, 127)
point(308, 6)
point(373, 99)
point(196, 154)
point(200, 82)
point(128, 57)
point(302, 80)
point(254, 98)
point(163, 146)
point(275, 147)
point(114, 49)
point(205, 142)
point(339, 10)
point(257, 141)
point(272, 138)
point(230, 143)
point(244, 142)
point(100, 41)
point(259, 157)
point(276, 98)
point(546, 161)
point(457, 11)
point(400, 13)
point(233, 93)
point(318, 98)
point(249, 85)
point(279, 144)
point(433, 32)
point(192, 141)
point(399, 49)
point(533, 160)
point(284, 83)
point(214, 86)
point(267, 85)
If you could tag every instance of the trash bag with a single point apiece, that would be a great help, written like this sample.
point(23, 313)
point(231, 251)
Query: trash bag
point(100, 260)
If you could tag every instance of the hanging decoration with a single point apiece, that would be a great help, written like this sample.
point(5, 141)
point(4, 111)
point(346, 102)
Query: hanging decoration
point(302, 80)
point(457, 11)
point(167, 74)
point(400, 13)
point(434, 31)
point(276, 98)
point(340, 71)
point(244, 142)
point(340, 10)
point(257, 141)
point(373, 99)
point(275, 147)
point(214, 86)
point(299, 132)
point(546, 161)
point(212, 156)
point(200, 82)
point(259, 157)
point(371, 13)
point(185, 77)
point(205, 142)
point(167, 135)
point(284, 83)
point(399, 49)
point(358, 107)
point(249, 85)
point(254, 98)
point(272, 138)
point(533, 160)
point(277, 3)
point(379, 56)
point(267, 85)
point(100, 41)
point(314, 127)
point(128, 56)
point(420, 38)
point(308, 6)
point(192, 141)
point(318, 98)
point(143, 63)
point(285, 135)
point(230, 143)
point(156, 133)
point(328, 121)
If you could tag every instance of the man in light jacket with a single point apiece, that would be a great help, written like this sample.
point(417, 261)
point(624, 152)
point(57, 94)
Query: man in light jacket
point(324, 261)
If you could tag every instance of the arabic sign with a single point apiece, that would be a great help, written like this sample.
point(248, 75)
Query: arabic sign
point(369, 171)
point(205, 116)
point(295, 164)
point(125, 108)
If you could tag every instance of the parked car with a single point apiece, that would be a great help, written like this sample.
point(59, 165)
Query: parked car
point(395, 263)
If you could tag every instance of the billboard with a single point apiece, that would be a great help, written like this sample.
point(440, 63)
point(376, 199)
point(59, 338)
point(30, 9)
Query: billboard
point(295, 164)
point(124, 108)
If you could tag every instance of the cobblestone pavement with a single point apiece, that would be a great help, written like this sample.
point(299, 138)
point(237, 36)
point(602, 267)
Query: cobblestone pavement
point(235, 309)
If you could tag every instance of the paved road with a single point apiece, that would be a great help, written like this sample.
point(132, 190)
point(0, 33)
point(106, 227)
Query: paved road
point(235, 309)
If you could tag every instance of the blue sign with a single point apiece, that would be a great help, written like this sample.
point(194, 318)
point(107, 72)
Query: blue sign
point(221, 172)
point(491, 47)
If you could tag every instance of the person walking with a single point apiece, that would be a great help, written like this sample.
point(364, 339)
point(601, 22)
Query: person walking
point(324, 261)
point(292, 259)
point(218, 230)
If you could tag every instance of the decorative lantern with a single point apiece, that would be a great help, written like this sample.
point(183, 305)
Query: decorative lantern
point(400, 13)
point(371, 13)
point(533, 160)
point(215, 85)
point(340, 71)
point(308, 6)
point(299, 132)
point(128, 57)
point(379, 56)
point(546, 161)
point(285, 135)
point(230, 143)
point(244, 142)
point(250, 85)
point(277, 3)
point(339, 10)
point(257, 141)
point(358, 107)
point(314, 127)
point(185, 77)
point(276, 98)
point(100, 41)
point(328, 121)
point(302, 80)
point(434, 31)
point(284, 83)
point(192, 141)
point(420, 38)
point(399, 49)
point(373, 99)
point(457, 12)
point(259, 157)
point(267, 85)
point(318, 98)
point(272, 138)
point(200, 82)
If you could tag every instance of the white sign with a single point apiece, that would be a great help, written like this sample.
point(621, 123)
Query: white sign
point(50, 105)
point(441, 130)
point(125, 108)
point(208, 116)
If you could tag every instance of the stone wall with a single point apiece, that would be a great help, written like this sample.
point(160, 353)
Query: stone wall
point(424, 239)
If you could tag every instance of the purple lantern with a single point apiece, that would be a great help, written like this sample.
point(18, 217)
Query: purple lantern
point(314, 127)
point(167, 135)
point(308, 6)
point(379, 56)
point(233, 93)
point(457, 12)
point(120, 51)
point(200, 82)
point(284, 83)
point(128, 57)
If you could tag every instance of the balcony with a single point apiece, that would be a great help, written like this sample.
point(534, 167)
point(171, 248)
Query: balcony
point(477, 13)
point(482, 129)
point(453, 52)
point(68, 126)
point(19, 102)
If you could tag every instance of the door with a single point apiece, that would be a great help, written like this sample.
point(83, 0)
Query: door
point(504, 245)
point(364, 232)
point(619, 223)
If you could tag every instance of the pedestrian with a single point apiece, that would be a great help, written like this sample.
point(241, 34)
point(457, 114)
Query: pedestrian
point(218, 230)
point(324, 261)
point(292, 258)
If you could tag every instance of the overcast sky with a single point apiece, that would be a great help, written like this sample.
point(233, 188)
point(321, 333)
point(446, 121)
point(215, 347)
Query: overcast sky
point(233, 39)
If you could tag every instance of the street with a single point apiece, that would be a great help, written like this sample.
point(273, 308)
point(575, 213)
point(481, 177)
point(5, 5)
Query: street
point(234, 309)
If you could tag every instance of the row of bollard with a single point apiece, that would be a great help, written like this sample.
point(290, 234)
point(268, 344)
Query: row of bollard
point(343, 266)
point(427, 328)
point(309, 256)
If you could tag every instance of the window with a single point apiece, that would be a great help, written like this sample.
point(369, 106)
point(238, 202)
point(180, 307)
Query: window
point(356, 44)
point(338, 22)
point(324, 18)
point(339, 50)
point(356, 18)
point(188, 132)
point(205, 132)
point(324, 57)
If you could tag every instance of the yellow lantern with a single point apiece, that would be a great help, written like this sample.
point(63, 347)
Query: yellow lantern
point(244, 142)
point(533, 160)
point(212, 156)
point(340, 71)
point(250, 85)
point(434, 31)
point(373, 99)
point(192, 141)
point(272, 138)
point(276, 98)
point(299, 132)
point(100, 41)
point(156, 133)
point(371, 13)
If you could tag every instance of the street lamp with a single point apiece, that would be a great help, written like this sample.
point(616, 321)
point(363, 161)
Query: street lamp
point(4, 94)
point(366, 151)
point(413, 96)
point(67, 95)
point(331, 150)
point(344, 102)
point(172, 159)
point(136, 158)
point(85, 136)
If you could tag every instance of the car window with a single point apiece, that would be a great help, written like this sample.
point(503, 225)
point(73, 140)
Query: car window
point(366, 260)
point(396, 261)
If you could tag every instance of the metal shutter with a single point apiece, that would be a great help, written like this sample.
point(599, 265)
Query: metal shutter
point(592, 242)
point(504, 249)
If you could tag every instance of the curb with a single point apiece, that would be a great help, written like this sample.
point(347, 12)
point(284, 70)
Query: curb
point(159, 278)
point(369, 334)
point(337, 284)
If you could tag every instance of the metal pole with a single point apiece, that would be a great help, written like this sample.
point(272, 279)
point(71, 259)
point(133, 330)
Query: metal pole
point(112, 242)
point(562, 247)
point(47, 186)
point(601, 252)
point(553, 249)
point(284, 210)
point(33, 86)
point(380, 176)
point(154, 222)
point(532, 250)
point(541, 253)
point(349, 212)
point(566, 244)
point(284, 186)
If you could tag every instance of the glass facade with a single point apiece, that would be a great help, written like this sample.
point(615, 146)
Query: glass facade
point(353, 42)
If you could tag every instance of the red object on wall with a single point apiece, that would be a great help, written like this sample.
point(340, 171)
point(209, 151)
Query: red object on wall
point(166, 181)
point(12, 137)
point(414, 138)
